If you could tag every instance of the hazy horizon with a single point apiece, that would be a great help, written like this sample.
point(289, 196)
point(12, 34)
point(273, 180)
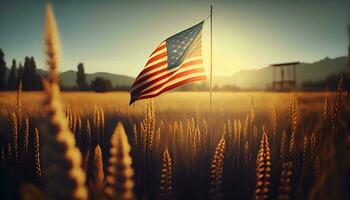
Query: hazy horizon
point(9, 63)
point(117, 37)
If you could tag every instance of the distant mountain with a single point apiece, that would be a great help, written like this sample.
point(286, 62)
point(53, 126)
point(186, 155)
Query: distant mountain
point(255, 78)
point(68, 78)
point(261, 78)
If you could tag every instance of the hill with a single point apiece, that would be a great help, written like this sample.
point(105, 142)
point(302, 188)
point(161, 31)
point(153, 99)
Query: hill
point(255, 78)
point(68, 78)
point(261, 78)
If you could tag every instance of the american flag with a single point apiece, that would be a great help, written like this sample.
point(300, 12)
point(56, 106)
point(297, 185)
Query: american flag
point(176, 61)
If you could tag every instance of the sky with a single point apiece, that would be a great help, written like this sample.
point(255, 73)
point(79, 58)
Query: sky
point(118, 36)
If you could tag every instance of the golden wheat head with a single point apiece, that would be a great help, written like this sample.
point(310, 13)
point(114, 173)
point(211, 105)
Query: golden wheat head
point(37, 164)
point(166, 187)
point(119, 179)
point(51, 43)
point(217, 170)
point(64, 177)
point(285, 181)
point(263, 168)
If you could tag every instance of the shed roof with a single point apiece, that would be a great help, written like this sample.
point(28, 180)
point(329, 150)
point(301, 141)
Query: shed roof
point(284, 64)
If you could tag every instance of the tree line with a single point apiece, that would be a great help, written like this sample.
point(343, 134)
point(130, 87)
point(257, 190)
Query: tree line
point(32, 81)
point(27, 74)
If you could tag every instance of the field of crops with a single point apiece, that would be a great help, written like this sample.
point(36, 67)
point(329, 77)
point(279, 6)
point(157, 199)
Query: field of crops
point(262, 146)
point(257, 146)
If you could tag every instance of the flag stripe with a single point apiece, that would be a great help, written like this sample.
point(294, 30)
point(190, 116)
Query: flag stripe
point(159, 47)
point(159, 66)
point(162, 59)
point(177, 84)
point(161, 75)
point(158, 51)
point(156, 57)
point(171, 78)
point(163, 81)
point(153, 66)
point(154, 73)
point(166, 76)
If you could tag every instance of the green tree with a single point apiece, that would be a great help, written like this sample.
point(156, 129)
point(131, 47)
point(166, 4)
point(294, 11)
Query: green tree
point(100, 84)
point(20, 73)
point(26, 76)
point(37, 81)
point(2, 70)
point(30, 80)
point(81, 79)
point(12, 79)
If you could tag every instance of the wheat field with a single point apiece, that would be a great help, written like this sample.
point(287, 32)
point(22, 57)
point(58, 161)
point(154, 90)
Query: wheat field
point(263, 146)
point(255, 145)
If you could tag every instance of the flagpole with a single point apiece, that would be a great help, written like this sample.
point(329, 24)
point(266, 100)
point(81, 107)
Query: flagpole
point(211, 72)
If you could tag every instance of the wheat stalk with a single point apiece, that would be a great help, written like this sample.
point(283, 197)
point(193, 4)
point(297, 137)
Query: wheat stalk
point(134, 128)
point(195, 142)
point(64, 177)
point(255, 132)
point(150, 121)
point(88, 134)
point(304, 152)
point(204, 131)
point(314, 156)
point(245, 127)
point(15, 137)
point(252, 113)
point(19, 99)
point(274, 121)
point(51, 44)
point(285, 181)
point(166, 188)
point(274, 126)
point(235, 130)
point(313, 145)
point(217, 170)
point(78, 131)
point(263, 168)
point(75, 122)
point(293, 125)
point(56, 160)
point(97, 184)
point(102, 126)
point(119, 179)
point(26, 137)
point(229, 130)
point(325, 110)
point(283, 146)
point(37, 154)
point(143, 136)
point(69, 116)
point(337, 105)
point(157, 138)
point(98, 165)
point(97, 126)
point(239, 132)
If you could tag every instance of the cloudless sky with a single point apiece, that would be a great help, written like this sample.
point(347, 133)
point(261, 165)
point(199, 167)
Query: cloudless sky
point(118, 36)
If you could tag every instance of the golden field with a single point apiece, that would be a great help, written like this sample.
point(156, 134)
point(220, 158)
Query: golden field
point(255, 145)
point(263, 145)
point(235, 102)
